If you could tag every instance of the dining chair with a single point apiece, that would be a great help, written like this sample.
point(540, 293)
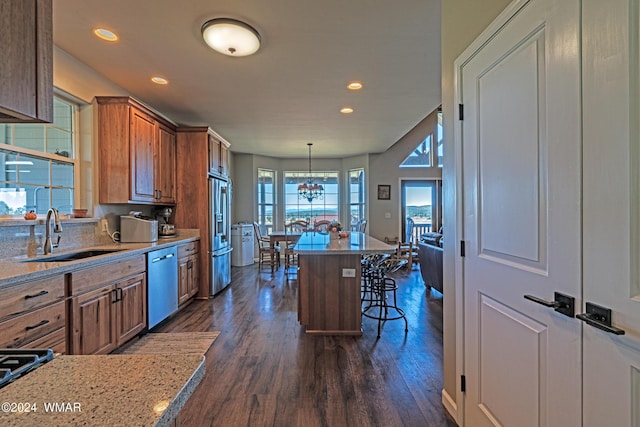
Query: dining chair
point(264, 248)
point(299, 226)
point(322, 225)
point(407, 250)
point(290, 256)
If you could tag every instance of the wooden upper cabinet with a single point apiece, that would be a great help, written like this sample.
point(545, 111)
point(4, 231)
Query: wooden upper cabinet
point(137, 153)
point(166, 165)
point(26, 69)
point(223, 167)
point(142, 141)
point(218, 156)
point(214, 154)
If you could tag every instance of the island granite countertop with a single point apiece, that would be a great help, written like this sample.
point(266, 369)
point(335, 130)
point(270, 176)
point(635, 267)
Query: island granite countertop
point(110, 390)
point(319, 243)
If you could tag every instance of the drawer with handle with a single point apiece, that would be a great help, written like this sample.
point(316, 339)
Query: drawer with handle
point(20, 330)
point(21, 298)
point(188, 249)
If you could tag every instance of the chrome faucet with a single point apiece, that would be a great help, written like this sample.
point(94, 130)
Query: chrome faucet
point(57, 228)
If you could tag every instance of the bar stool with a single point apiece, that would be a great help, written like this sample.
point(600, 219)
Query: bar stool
point(381, 286)
point(368, 265)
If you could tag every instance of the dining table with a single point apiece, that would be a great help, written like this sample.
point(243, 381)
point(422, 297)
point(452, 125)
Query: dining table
point(277, 236)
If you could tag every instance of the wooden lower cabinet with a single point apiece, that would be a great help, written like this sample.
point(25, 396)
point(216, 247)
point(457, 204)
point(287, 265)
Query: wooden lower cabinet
point(131, 308)
point(94, 322)
point(188, 271)
point(32, 314)
point(107, 317)
point(187, 278)
point(22, 331)
point(328, 302)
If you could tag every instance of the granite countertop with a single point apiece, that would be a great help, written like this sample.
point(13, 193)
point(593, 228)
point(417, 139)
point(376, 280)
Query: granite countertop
point(15, 270)
point(111, 390)
point(318, 243)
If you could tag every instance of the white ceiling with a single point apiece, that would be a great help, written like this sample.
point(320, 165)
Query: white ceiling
point(289, 93)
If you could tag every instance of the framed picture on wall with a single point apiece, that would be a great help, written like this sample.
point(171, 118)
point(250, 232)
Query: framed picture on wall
point(384, 192)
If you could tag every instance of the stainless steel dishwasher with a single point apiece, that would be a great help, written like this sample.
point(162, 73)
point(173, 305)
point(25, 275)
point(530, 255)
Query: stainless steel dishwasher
point(162, 285)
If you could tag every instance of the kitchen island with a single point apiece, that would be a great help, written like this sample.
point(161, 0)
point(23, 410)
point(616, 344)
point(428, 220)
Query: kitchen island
point(113, 390)
point(329, 281)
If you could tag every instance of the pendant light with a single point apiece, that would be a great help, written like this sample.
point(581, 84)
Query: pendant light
point(309, 190)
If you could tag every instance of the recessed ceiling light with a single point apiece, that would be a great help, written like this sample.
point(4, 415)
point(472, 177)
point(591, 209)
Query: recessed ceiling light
point(159, 80)
point(354, 86)
point(105, 34)
point(346, 110)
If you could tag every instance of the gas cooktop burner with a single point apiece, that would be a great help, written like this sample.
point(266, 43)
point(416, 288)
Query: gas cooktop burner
point(16, 362)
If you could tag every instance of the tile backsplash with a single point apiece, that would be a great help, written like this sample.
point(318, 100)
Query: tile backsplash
point(27, 239)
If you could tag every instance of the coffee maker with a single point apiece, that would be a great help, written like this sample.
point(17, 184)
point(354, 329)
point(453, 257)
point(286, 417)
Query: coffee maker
point(165, 229)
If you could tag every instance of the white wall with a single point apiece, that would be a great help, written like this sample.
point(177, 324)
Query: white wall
point(384, 169)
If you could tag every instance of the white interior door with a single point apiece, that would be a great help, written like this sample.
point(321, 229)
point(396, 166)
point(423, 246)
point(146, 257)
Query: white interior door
point(612, 210)
point(521, 170)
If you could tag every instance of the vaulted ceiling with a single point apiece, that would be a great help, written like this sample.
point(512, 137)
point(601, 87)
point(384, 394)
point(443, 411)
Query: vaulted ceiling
point(290, 92)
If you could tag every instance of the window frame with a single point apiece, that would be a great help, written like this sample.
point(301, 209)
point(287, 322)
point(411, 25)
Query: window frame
point(261, 220)
point(73, 161)
point(317, 177)
point(362, 196)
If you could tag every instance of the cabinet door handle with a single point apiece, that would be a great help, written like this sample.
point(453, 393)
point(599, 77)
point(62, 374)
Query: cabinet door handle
point(114, 296)
point(190, 264)
point(39, 294)
point(37, 325)
point(120, 294)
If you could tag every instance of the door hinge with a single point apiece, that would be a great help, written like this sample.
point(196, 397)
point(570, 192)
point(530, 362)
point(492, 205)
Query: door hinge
point(461, 111)
point(462, 248)
point(463, 383)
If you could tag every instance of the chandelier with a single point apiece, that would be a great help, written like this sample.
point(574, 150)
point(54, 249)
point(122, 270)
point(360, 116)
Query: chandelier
point(309, 190)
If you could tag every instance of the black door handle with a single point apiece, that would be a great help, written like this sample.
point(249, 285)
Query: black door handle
point(599, 317)
point(546, 303)
point(563, 304)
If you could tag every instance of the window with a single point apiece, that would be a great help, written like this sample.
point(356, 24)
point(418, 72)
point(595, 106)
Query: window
point(430, 151)
point(318, 209)
point(38, 163)
point(421, 201)
point(266, 198)
point(420, 157)
point(356, 196)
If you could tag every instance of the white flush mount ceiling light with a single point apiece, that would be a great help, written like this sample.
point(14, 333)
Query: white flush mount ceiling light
point(231, 37)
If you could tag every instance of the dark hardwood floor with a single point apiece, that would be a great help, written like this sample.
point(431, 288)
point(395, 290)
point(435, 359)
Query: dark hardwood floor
point(263, 370)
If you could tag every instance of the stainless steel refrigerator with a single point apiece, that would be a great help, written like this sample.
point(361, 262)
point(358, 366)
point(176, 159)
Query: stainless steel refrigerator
point(220, 241)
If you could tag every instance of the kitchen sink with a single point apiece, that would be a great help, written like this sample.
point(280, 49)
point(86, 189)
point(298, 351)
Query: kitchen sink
point(73, 256)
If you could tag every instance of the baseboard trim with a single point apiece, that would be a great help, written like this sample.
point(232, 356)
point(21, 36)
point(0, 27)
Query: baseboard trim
point(450, 405)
